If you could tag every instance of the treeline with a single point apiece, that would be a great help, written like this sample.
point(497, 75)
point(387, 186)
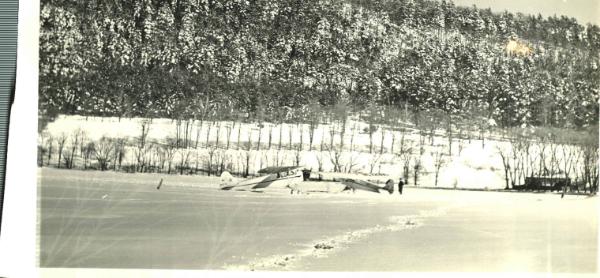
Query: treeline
point(274, 59)
point(243, 149)
point(213, 147)
point(555, 30)
point(551, 153)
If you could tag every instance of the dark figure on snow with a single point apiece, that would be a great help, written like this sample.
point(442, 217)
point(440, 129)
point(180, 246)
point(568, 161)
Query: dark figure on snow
point(400, 186)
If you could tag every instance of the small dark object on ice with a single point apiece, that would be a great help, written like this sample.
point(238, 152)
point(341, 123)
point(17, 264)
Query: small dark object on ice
point(159, 184)
point(408, 222)
point(323, 246)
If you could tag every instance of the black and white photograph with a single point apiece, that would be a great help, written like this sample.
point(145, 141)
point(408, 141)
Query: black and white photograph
point(420, 136)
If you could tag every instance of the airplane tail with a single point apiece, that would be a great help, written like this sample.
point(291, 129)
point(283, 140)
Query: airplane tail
point(227, 181)
point(389, 186)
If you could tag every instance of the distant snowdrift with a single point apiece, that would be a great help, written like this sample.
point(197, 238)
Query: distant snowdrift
point(474, 168)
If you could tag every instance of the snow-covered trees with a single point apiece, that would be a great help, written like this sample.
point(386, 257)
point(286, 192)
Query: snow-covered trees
point(175, 58)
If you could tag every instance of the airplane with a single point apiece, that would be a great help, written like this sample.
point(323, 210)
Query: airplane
point(274, 177)
point(297, 179)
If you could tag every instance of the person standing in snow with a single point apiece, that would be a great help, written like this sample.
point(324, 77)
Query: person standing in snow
point(400, 186)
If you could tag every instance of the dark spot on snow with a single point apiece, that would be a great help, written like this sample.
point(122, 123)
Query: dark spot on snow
point(323, 246)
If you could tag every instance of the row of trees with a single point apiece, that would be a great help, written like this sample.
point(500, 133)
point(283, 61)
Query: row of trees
point(120, 154)
point(75, 151)
point(444, 15)
point(524, 152)
point(335, 151)
point(194, 60)
point(552, 153)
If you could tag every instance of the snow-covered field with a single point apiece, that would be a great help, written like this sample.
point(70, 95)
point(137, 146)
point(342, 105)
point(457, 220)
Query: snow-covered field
point(475, 166)
point(118, 220)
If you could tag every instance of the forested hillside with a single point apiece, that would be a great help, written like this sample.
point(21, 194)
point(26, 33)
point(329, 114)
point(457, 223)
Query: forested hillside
point(291, 60)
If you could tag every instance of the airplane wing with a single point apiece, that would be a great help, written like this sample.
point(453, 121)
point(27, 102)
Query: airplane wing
point(263, 182)
point(275, 170)
point(267, 181)
point(258, 182)
point(227, 187)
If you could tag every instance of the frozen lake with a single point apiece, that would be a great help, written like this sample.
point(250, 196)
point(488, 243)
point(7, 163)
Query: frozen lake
point(115, 220)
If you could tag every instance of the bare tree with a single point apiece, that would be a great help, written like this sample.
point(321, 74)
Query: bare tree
point(71, 153)
point(417, 169)
point(393, 118)
point(340, 113)
point(351, 162)
point(438, 162)
point(177, 131)
point(449, 132)
point(169, 150)
point(223, 162)
point(87, 151)
point(353, 130)
point(104, 152)
point(270, 136)
point(61, 140)
point(518, 146)
point(119, 152)
point(258, 130)
point(239, 136)
point(198, 131)
point(300, 130)
point(406, 158)
point(319, 156)
point(49, 148)
point(335, 156)
point(332, 131)
point(42, 148)
point(555, 160)
point(279, 158)
point(230, 129)
point(428, 123)
point(526, 159)
point(322, 143)
point(505, 154)
point(298, 154)
point(189, 126)
point(590, 153)
point(218, 134)
point(569, 155)
point(210, 124)
point(373, 162)
point(142, 147)
point(246, 162)
point(314, 110)
point(184, 158)
point(202, 108)
point(209, 162)
point(383, 131)
point(372, 118)
point(83, 140)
